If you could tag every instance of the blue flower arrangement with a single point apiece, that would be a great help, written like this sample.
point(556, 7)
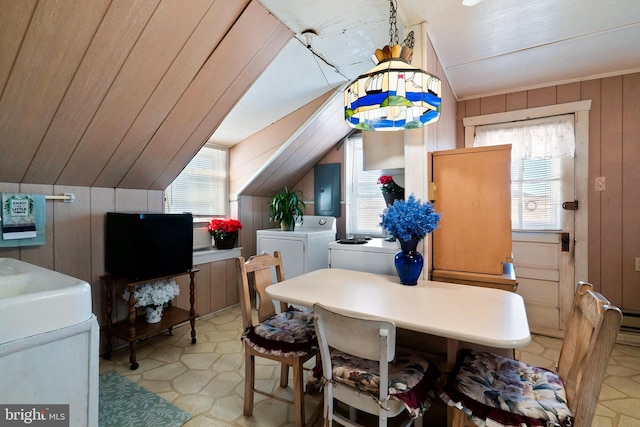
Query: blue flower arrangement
point(410, 219)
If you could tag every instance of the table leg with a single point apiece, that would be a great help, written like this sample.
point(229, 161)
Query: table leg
point(132, 327)
point(132, 311)
point(192, 305)
point(452, 352)
point(108, 321)
point(132, 355)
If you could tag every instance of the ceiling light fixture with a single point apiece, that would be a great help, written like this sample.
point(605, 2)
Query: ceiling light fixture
point(393, 95)
point(309, 35)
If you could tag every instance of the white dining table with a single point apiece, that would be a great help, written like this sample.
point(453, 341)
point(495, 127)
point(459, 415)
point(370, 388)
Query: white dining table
point(484, 316)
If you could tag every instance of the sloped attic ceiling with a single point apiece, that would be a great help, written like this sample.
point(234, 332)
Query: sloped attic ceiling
point(121, 93)
point(263, 164)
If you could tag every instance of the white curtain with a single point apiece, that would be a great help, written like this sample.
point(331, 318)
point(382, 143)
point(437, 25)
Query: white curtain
point(545, 138)
point(542, 150)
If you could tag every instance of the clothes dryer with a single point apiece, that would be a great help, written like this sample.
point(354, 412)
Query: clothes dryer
point(303, 250)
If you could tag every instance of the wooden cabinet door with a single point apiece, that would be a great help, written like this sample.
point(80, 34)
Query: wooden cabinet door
point(473, 194)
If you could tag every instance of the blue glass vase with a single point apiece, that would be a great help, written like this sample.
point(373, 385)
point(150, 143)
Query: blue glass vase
point(409, 262)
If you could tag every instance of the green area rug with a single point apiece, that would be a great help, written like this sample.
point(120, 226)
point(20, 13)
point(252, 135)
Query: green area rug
point(124, 403)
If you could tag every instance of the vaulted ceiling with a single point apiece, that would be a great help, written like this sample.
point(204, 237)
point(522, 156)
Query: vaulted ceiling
point(494, 47)
point(123, 93)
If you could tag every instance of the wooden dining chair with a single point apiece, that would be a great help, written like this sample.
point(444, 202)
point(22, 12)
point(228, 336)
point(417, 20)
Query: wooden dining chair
point(288, 337)
point(509, 392)
point(363, 369)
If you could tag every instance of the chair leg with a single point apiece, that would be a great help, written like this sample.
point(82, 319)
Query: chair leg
point(249, 377)
point(328, 405)
point(382, 418)
point(456, 418)
point(284, 375)
point(298, 392)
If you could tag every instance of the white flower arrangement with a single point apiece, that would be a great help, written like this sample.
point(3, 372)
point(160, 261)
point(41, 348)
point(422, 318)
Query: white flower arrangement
point(154, 293)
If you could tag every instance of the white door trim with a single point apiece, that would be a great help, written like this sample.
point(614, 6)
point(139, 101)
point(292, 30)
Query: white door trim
point(529, 113)
point(581, 170)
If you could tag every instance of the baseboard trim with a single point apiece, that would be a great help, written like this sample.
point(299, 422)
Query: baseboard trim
point(625, 337)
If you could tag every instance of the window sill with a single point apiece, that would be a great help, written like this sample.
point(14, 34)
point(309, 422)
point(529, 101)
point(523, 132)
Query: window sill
point(213, 255)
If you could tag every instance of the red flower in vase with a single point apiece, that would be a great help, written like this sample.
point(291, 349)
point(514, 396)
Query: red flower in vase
point(223, 227)
point(388, 185)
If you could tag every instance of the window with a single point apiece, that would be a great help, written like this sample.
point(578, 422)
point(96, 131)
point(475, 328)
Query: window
point(364, 201)
point(201, 188)
point(542, 152)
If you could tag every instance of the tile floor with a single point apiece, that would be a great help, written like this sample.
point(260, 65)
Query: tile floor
point(206, 379)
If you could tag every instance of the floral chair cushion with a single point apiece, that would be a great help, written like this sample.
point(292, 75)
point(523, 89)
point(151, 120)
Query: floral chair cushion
point(498, 391)
point(288, 333)
point(411, 377)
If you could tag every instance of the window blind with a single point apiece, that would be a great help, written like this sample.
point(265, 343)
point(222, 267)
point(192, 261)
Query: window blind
point(365, 202)
point(201, 188)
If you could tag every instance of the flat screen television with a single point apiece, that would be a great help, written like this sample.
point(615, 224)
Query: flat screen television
point(143, 246)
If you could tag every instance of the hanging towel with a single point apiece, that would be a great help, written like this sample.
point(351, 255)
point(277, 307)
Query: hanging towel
point(18, 216)
point(38, 210)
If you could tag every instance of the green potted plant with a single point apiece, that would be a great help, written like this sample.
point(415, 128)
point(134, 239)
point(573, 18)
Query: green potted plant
point(285, 208)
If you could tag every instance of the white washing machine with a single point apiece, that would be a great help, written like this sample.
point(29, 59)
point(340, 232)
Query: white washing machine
point(303, 250)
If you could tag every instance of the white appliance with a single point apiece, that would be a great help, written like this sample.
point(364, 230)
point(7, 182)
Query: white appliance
point(374, 256)
point(304, 249)
point(49, 345)
point(55, 367)
point(201, 235)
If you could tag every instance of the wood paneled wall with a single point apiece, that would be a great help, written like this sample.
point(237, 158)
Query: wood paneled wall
point(216, 287)
point(442, 134)
point(614, 153)
point(254, 211)
point(283, 153)
point(248, 157)
point(75, 232)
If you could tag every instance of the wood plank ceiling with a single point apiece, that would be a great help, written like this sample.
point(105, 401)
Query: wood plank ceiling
point(121, 93)
point(262, 164)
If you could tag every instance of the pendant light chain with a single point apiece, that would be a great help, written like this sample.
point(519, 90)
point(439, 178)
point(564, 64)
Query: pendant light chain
point(394, 95)
point(409, 41)
point(393, 28)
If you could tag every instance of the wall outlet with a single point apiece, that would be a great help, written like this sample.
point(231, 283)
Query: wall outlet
point(637, 264)
point(600, 183)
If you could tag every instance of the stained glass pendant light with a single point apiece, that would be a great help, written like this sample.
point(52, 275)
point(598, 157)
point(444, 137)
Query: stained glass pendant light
point(393, 95)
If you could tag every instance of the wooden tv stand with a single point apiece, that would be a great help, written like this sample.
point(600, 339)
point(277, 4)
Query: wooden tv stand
point(135, 327)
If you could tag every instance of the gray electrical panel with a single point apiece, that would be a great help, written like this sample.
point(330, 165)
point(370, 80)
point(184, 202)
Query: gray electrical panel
point(326, 189)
